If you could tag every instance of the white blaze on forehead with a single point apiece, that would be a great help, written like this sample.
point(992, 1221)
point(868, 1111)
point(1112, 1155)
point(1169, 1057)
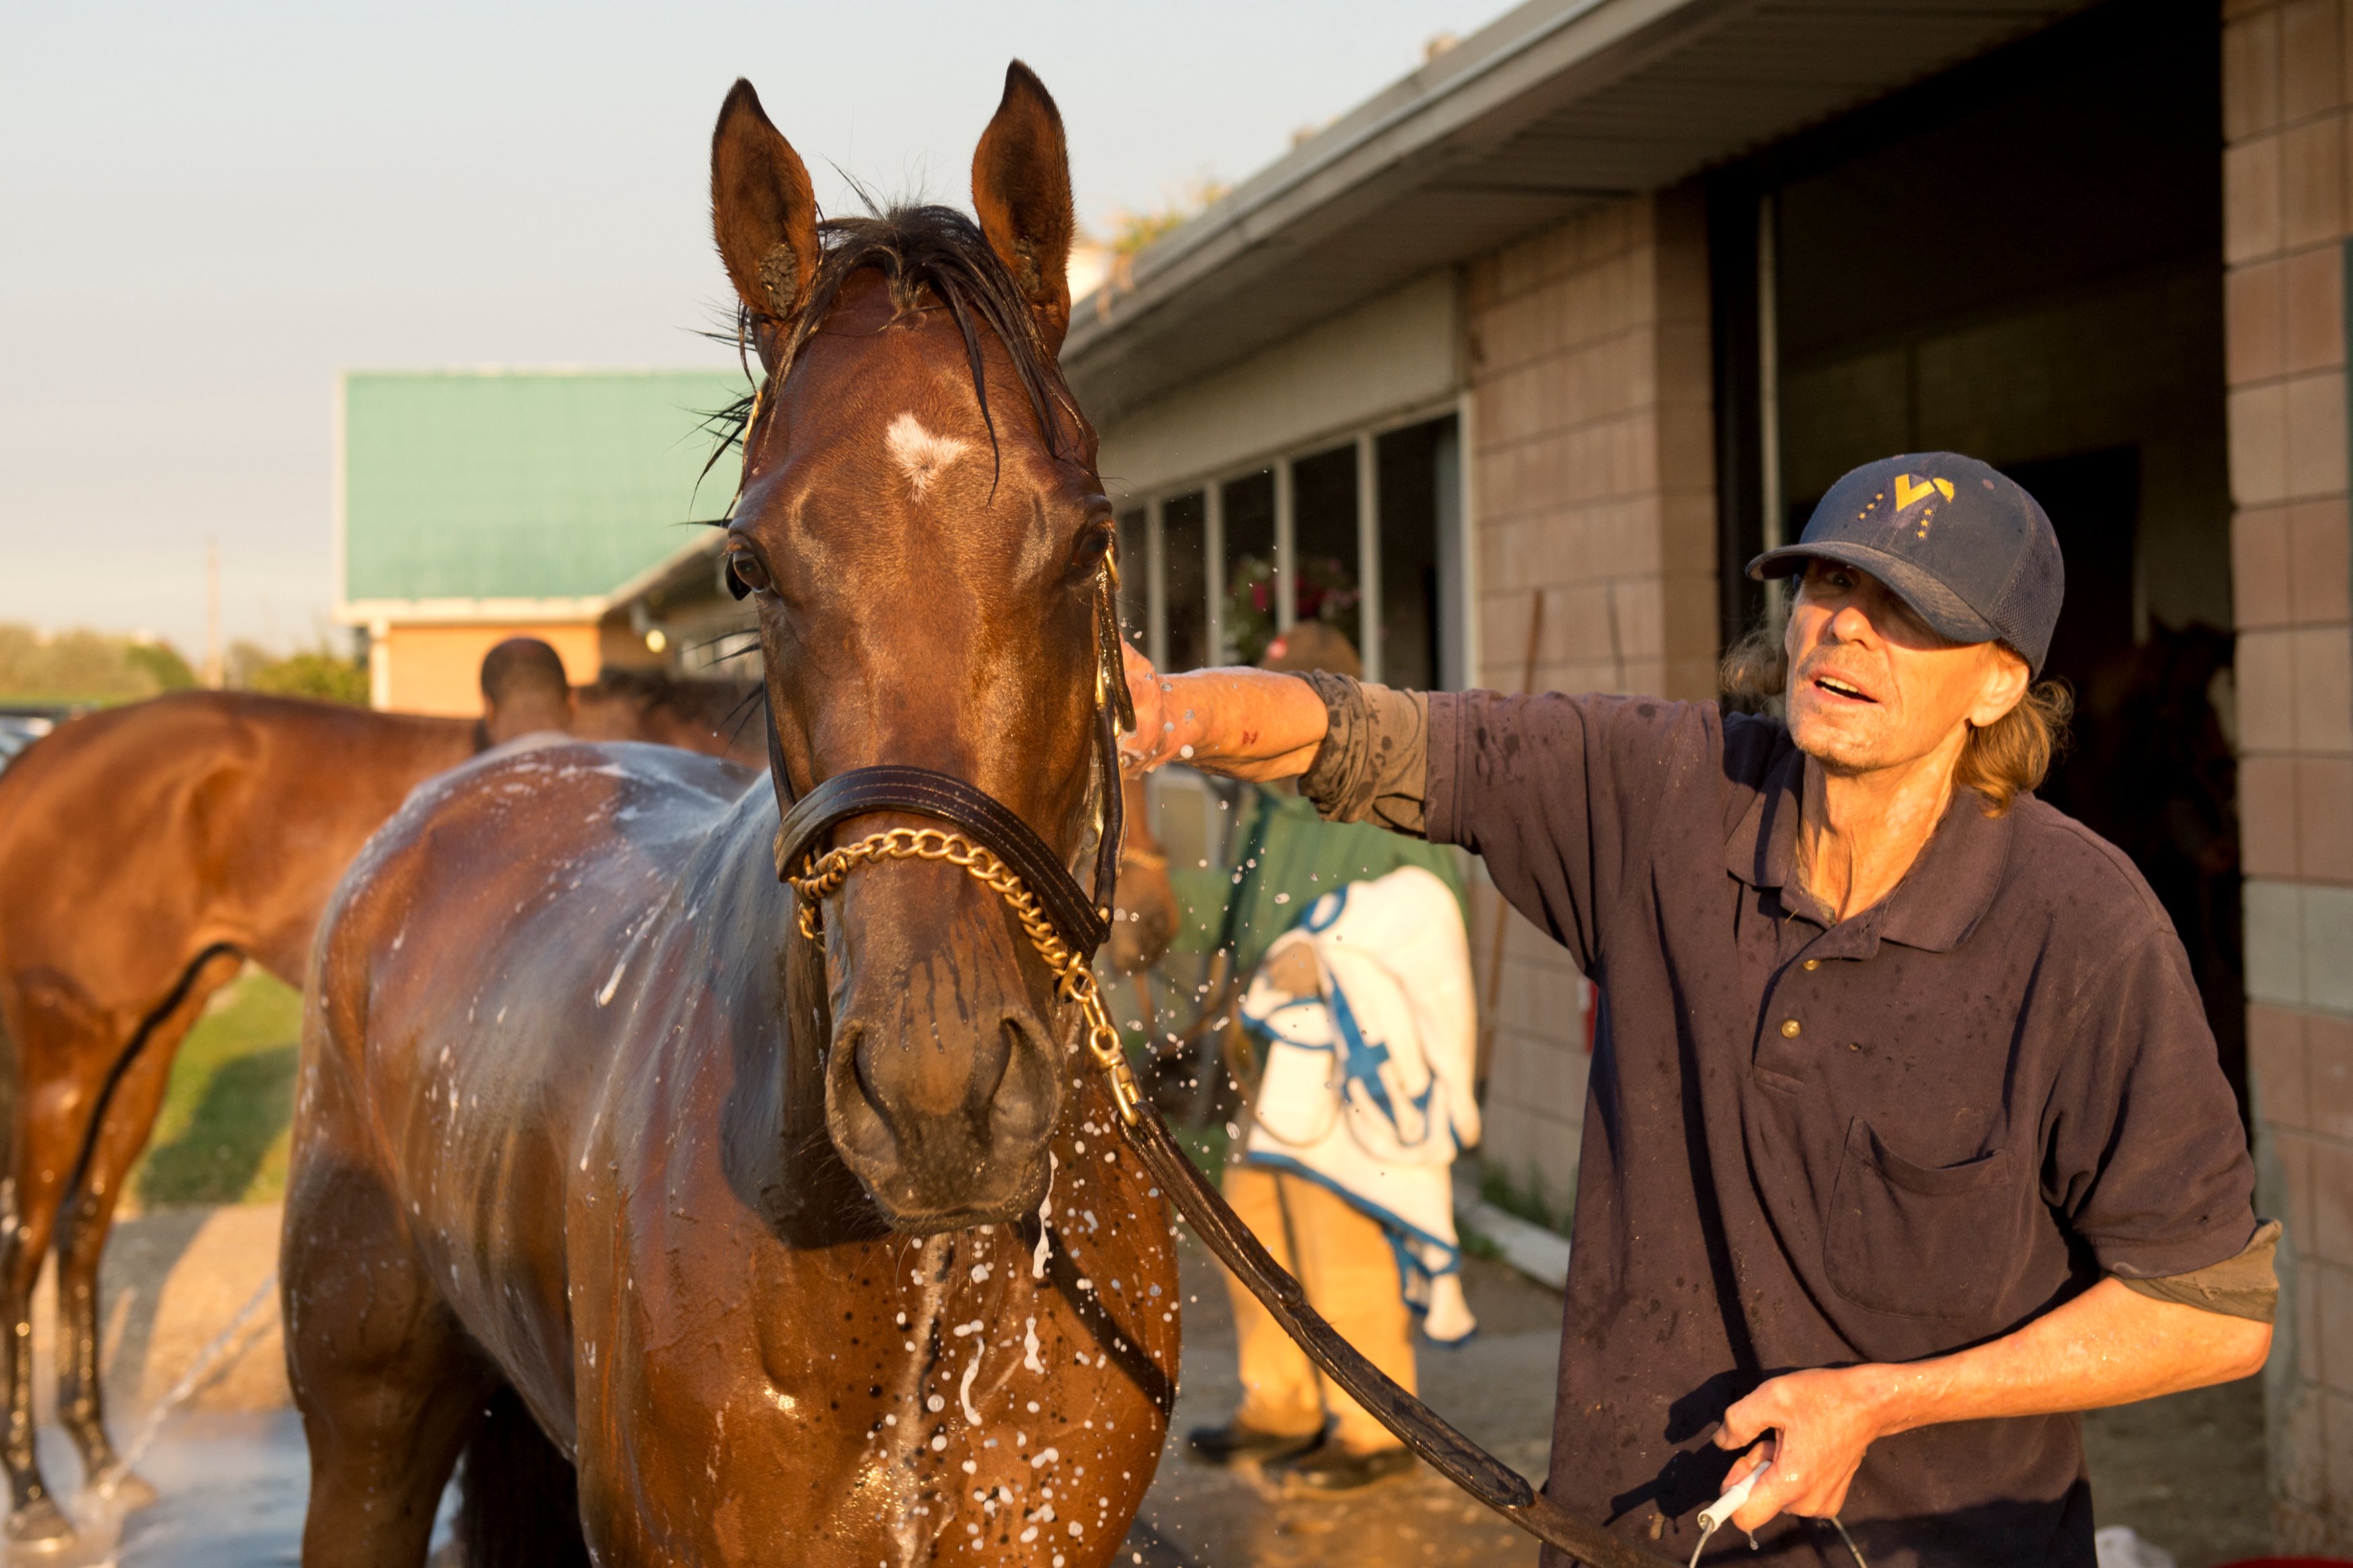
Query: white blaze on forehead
point(921, 455)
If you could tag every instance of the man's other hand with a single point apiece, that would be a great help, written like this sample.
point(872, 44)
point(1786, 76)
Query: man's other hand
point(1822, 1423)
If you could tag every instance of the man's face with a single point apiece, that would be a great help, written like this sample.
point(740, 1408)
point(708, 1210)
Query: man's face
point(1871, 686)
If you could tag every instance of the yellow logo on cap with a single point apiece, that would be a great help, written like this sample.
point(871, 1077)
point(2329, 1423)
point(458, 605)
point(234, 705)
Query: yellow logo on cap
point(1909, 489)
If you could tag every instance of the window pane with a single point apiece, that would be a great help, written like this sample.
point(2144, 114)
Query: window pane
point(1250, 565)
point(1135, 576)
point(1416, 466)
point(1327, 584)
point(1184, 555)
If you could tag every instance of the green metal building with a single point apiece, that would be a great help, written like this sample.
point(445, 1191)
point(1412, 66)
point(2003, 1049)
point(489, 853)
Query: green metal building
point(474, 505)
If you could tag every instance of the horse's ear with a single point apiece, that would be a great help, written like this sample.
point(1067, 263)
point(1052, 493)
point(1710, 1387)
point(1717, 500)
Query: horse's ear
point(1021, 188)
point(763, 209)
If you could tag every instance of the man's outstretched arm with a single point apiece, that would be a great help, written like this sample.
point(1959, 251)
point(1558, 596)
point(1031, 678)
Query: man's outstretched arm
point(2109, 1346)
point(1247, 724)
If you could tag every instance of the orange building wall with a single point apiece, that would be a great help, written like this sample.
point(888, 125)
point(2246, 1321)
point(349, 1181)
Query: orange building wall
point(438, 670)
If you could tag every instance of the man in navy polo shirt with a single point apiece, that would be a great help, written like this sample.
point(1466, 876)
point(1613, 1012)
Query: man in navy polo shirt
point(1905, 1141)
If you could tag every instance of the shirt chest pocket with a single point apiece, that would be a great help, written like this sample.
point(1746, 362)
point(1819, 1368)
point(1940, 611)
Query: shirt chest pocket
point(1920, 1241)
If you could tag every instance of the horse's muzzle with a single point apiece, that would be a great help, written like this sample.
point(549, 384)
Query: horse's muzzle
point(945, 1121)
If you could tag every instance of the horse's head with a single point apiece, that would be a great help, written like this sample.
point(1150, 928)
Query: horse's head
point(922, 530)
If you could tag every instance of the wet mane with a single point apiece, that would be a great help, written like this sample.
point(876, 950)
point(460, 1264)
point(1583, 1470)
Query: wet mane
point(932, 257)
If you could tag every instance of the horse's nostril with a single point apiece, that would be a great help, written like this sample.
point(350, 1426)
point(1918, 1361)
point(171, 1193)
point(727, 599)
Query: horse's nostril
point(1023, 1101)
point(848, 1045)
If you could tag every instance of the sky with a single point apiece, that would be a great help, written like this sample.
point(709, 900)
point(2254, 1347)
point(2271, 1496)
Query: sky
point(206, 212)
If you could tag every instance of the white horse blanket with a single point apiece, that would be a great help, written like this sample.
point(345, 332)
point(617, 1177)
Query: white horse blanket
point(1366, 1006)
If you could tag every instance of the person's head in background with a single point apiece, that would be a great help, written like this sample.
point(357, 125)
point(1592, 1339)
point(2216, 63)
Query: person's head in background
point(1313, 645)
point(524, 690)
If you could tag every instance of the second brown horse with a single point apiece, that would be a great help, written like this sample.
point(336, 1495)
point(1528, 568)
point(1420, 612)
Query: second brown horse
point(146, 854)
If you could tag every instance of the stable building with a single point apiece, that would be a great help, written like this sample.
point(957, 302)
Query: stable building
point(1509, 370)
point(476, 505)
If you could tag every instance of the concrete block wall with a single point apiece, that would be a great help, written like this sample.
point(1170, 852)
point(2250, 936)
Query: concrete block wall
point(1592, 441)
point(2288, 208)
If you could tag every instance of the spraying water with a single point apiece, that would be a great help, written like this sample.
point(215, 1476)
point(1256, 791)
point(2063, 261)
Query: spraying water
point(214, 1351)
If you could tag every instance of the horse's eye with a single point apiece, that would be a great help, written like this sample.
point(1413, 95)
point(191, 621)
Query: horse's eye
point(746, 574)
point(1093, 541)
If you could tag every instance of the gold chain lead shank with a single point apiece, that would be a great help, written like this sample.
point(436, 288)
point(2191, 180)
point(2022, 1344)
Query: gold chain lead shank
point(823, 876)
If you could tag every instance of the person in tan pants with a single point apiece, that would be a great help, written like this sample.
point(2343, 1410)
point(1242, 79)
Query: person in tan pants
point(1343, 1258)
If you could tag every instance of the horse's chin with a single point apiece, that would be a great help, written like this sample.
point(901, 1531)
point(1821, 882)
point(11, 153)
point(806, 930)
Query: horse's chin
point(910, 1207)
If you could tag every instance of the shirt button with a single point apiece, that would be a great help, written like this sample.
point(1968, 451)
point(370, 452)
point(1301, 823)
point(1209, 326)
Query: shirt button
point(1813, 963)
point(1789, 1028)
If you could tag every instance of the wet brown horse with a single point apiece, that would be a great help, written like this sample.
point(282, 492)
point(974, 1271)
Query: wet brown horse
point(703, 1241)
point(146, 854)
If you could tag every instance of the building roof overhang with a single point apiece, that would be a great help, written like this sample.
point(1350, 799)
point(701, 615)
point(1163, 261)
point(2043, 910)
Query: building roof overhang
point(1557, 106)
point(690, 562)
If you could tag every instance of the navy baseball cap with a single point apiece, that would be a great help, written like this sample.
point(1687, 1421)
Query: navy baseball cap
point(1964, 545)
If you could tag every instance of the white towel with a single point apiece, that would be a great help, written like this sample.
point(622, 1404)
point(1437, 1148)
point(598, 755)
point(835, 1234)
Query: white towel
point(1368, 1086)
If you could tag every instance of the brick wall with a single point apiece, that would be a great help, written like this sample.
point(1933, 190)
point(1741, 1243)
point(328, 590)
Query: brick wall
point(2288, 205)
point(1594, 481)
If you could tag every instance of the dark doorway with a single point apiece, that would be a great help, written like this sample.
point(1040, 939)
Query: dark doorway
point(2093, 503)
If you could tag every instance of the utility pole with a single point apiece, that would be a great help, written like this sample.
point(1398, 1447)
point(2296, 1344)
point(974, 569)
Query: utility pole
point(214, 674)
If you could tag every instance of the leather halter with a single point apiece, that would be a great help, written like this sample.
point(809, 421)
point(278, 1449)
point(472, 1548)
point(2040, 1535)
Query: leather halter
point(1082, 923)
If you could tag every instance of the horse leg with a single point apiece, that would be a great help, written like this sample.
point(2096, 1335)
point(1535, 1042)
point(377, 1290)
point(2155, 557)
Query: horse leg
point(389, 1385)
point(519, 1503)
point(85, 1219)
point(45, 1124)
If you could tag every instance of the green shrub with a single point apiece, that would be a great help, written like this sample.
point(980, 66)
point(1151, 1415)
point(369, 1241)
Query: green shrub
point(317, 673)
point(84, 666)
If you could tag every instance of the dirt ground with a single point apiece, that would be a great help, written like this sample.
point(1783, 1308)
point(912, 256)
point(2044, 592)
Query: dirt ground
point(2187, 1472)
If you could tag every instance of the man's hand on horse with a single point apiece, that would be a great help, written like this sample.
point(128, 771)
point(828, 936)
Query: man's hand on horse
point(1246, 723)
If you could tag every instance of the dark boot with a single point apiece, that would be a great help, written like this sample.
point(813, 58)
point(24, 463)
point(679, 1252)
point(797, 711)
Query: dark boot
point(1235, 1443)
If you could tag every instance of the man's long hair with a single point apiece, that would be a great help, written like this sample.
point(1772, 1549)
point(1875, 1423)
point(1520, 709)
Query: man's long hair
point(2000, 761)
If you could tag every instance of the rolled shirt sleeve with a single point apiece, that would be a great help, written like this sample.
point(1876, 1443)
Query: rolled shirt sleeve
point(1374, 766)
point(2245, 1286)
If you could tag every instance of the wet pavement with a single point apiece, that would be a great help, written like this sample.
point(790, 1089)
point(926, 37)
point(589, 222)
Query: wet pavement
point(230, 1491)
